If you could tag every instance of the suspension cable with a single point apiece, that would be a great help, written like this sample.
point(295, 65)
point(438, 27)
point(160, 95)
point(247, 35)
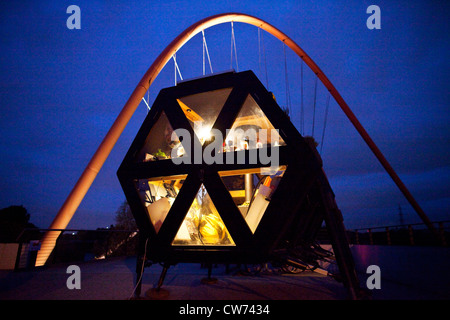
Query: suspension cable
point(176, 68)
point(314, 106)
point(231, 47)
point(205, 47)
point(147, 101)
point(286, 80)
point(302, 110)
point(325, 122)
point(265, 60)
point(261, 55)
point(233, 44)
point(148, 107)
point(203, 52)
point(259, 51)
point(148, 96)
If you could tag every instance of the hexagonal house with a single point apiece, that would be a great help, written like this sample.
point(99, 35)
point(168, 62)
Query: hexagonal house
point(218, 173)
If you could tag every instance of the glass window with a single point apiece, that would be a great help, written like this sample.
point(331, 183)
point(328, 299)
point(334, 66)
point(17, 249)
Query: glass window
point(157, 195)
point(252, 197)
point(203, 224)
point(159, 142)
point(251, 129)
point(202, 110)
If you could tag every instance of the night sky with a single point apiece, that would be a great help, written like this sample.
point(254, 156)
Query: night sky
point(61, 90)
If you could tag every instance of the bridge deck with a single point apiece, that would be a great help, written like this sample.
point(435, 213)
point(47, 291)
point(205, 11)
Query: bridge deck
point(113, 279)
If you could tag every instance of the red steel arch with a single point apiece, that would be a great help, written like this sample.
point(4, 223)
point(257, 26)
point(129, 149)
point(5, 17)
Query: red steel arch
point(80, 189)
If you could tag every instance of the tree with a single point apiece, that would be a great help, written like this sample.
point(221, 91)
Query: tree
point(117, 242)
point(124, 218)
point(13, 220)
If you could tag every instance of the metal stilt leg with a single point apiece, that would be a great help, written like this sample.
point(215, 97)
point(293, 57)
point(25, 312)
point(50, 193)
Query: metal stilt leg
point(336, 230)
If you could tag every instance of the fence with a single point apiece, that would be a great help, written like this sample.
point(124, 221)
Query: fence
point(408, 234)
point(76, 245)
point(84, 245)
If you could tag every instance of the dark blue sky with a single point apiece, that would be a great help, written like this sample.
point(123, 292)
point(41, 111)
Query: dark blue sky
point(61, 90)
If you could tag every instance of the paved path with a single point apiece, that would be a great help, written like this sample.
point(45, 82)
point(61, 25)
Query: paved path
point(407, 273)
point(114, 280)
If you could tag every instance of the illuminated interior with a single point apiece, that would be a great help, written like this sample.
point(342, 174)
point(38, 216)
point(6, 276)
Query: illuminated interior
point(251, 129)
point(251, 199)
point(157, 195)
point(202, 110)
point(159, 143)
point(251, 189)
point(203, 224)
point(251, 119)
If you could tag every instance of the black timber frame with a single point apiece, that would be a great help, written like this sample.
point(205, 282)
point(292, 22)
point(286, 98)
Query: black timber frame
point(302, 162)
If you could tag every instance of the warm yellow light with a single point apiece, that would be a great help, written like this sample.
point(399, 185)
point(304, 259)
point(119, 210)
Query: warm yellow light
point(204, 134)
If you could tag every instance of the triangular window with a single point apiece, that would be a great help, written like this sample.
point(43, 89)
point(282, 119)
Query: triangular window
point(251, 191)
point(202, 110)
point(157, 195)
point(159, 142)
point(251, 129)
point(203, 224)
